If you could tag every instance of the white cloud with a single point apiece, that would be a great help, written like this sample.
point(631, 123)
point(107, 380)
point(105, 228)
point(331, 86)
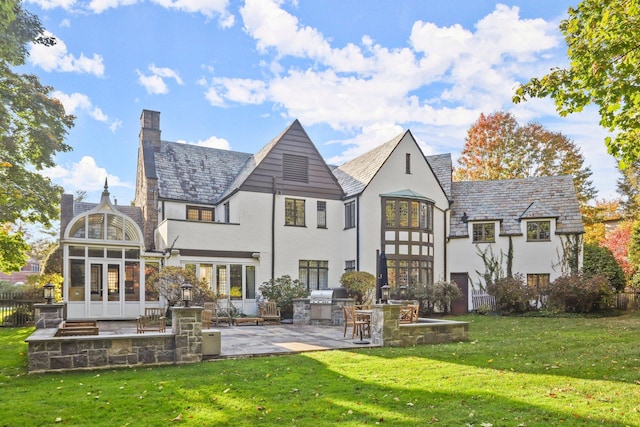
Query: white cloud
point(57, 58)
point(65, 23)
point(211, 142)
point(155, 83)
point(84, 175)
point(208, 8)
point(51, 4)
point(79, 102)
point(99, 6)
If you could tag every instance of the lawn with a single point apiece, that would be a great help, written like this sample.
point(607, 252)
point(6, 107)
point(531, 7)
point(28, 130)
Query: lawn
point(529, 371)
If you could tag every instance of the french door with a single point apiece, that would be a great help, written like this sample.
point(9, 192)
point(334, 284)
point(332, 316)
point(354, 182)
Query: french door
point(106, 286)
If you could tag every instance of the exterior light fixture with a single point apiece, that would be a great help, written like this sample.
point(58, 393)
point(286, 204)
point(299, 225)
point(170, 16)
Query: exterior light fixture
point(49, 290)
point(187, 294)
point(385, 293)
point(403, 292)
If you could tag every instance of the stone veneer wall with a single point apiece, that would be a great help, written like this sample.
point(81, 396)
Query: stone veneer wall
point(302, 312)
point(183, 344)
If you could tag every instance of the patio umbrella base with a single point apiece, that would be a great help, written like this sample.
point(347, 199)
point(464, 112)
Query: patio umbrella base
point(361, 342)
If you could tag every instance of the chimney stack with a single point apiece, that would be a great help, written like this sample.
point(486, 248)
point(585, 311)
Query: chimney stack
point(150, 128)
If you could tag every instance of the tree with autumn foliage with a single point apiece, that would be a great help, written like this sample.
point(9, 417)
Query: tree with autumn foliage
point(629, 188)
point(594, 217)
point(604, 69)
point(498, 147)
point(618, 241)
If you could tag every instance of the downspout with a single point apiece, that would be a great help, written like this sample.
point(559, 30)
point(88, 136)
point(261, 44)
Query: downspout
point(445, 240)
point(273, 230)
point(358, 233)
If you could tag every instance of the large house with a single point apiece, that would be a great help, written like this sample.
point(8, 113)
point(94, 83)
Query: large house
point(242, 219)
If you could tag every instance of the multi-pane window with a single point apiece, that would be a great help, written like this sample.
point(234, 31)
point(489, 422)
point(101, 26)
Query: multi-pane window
point(350, 215)
point(538, 230)
point(294, 212)
point(401, 213)
point(200, 213)
point(407, 163)
point(484, 232)
point(540, 282)
point(350, 265)
point(227, 213)
point(314, 274)
point(322, 214)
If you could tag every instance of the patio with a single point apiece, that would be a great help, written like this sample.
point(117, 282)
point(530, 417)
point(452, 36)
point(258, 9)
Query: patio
point(248, 341)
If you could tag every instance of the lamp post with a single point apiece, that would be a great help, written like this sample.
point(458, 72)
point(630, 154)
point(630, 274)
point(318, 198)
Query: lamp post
point(49, 290)
point(403, 292)
point(187, 294)
point(385, 293)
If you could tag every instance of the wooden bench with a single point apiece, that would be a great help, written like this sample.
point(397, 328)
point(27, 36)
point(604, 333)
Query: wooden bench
point(153, 320)
point(248, 320)
point(269, 311)
point(71, 328)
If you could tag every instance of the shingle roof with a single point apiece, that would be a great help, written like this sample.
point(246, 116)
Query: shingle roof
point(196, 174)
point(441, 166)
point(512, 200)
point(355, 175)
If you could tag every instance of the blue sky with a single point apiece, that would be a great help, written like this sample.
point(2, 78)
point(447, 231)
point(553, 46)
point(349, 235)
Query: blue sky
point(234, 74)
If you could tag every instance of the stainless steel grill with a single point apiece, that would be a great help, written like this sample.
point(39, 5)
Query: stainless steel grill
point(321, 301)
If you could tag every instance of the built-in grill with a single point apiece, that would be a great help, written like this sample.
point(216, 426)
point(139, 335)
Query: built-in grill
point(321, 302)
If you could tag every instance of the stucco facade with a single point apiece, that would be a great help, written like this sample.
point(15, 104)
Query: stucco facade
point(242, 219)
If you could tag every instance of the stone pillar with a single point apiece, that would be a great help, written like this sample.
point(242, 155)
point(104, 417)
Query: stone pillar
point(186, 325)
point(48, 315)
point(385, 325)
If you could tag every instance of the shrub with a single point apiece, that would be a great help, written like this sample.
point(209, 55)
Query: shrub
point(359, 285)
point(167, 282)
point(444, 293)
point(512, 294)
point(283, 291)
point(600, 260)
point(579, 293)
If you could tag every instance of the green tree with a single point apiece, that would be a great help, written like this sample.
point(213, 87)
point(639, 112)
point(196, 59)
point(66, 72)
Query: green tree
point(167, 282)
point(359, 285)
point(604, 69)
point(497, 147)
point(628, 186)
point(599, 260)
point(33, 126)
point(283, 290)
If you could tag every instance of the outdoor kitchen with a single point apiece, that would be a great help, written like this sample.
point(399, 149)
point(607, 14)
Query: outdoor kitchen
point(323, 307)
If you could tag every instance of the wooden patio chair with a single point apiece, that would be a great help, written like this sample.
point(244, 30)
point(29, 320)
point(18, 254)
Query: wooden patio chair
point(269, 311)
point(358, 323)
point(206, 318)
point(154, 319)
point(218, 314)
point(409, 313)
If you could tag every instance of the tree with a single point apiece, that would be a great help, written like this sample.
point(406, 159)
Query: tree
point(594, 217)
point(167, 282)
point(629, 188)
point(600, 260)
point(33, 126)
point(497, 147)
point(604, 56)
point(283, 291)
point(359, 285)
point(618, 242)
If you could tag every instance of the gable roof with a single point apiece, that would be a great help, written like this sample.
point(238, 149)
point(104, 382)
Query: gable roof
point(193, 173)
point(442, 167)
point(510, 201)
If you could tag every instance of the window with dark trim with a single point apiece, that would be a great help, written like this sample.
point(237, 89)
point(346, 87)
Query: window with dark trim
point(200, 213)
point(322, 214)
point(484, 232)
point(408, 163)
point(403, 213)
point(295, 168)
point(350, 215)
point(350, 265)
point(538, 231)
point(227, 213)
point(314, 274)
point(294, 212)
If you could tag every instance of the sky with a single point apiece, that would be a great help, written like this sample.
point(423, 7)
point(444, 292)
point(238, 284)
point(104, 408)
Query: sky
point(234, 74)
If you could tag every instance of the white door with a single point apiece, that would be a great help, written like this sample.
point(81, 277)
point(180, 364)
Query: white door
point(106, 288)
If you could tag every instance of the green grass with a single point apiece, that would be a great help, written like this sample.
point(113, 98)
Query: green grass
point(513, 372)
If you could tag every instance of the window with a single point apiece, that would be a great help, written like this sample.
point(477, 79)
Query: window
point(150, 268)
point(322, 214)
point(350, 215)
point(294, 212)
point(227, 213)
point(402, 213)
point(199, 213)
point(235, 281)
point(540, 282)
point(484, 232)
point(408, 163)
point(221, 280)
point(250, 282)
point(538, 231)
point(350, 265)
point(314, 274)
point(295, 168)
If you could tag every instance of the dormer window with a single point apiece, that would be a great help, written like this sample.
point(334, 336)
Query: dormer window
point(538, 231)
point(484, 232)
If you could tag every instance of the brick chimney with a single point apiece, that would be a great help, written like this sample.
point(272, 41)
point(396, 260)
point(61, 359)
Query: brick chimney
point(146, 179)
point(150, 127)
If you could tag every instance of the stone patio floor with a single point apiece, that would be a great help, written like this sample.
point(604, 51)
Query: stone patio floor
point(270, 339)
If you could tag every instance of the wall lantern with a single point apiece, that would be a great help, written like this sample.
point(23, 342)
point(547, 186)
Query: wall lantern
point(385, 293)
point(187, 294)
point(49, 290)
point(403, 292)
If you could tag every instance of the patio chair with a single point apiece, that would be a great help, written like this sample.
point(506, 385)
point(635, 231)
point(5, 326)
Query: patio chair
point(206, 318)
point(269, 311)
point(358, 322)
point(218, 314)
point(154, 319)
point(409, 313)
